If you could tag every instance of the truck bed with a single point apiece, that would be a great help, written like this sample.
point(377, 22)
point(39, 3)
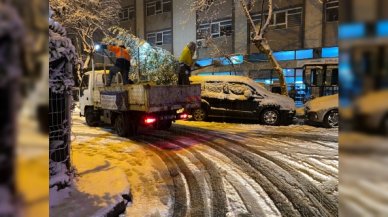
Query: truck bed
point(148, 98)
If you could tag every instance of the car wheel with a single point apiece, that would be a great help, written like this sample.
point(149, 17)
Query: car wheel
point(122, 128)
point(163, 125)
point(91, 117)
point(199, 114)
point(270, 117)
point(331, 119)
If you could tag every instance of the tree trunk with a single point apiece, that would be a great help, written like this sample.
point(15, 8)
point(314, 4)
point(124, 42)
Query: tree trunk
point(264, 47)
point(87, 61)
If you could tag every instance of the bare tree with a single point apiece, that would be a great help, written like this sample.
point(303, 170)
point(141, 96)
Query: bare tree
point(208, 9)
point(86, 19)
point(261, 42)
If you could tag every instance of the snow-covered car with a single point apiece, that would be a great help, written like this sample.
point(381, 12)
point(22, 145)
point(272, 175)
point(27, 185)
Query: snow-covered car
point(241, 97)
point(323, 110)
point(371, 111)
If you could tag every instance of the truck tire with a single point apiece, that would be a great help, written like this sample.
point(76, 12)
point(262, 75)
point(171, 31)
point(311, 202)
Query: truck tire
point(270, 117)
point(331, 119)
point(91, 117)
point(121, 125)
point(199, 114)
point(132, 128)
point(163, 125)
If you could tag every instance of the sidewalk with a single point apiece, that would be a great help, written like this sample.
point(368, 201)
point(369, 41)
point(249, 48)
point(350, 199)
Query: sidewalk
point(99, 189)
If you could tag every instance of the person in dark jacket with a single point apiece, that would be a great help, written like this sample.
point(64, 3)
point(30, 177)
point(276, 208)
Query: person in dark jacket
point(122, 64)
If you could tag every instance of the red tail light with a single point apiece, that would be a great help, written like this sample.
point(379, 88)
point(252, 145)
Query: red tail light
point(183, 116)
point(149, 120)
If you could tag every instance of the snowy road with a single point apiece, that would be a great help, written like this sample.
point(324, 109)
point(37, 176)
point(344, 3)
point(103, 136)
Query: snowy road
point(222, 169)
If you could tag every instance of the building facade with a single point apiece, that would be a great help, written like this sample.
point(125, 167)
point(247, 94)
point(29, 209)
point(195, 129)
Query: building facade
point(302, 33)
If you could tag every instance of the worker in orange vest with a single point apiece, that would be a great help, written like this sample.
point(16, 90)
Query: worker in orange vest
point(123, 63)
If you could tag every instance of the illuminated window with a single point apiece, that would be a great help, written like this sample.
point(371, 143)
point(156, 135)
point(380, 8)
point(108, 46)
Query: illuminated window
point(329, 52)
point(351, 30)
point(284, 55)
point(304, 54)
point(382, 28)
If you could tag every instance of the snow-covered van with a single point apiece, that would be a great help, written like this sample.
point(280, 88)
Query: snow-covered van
point(241, 97)
point(323, 110)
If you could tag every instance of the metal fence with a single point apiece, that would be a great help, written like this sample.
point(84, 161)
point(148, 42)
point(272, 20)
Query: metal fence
point(59, 118)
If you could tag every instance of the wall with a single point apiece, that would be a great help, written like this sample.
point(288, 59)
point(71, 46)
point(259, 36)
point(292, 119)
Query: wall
point(158, 22)
point(313, 24)
point(184, 25)
point(140, 18)
point(330, 34)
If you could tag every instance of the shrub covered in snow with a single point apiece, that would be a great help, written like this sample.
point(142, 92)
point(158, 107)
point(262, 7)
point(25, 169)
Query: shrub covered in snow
point(158, 64)
point(62, 58)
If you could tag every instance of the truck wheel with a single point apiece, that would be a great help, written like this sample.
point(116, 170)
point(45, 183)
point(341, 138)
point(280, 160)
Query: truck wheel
point(331, 119)
point(270, 117)
point(132, 128)
point(121, 126)
point(163, 125)
point(91, 117)
point(199, 114)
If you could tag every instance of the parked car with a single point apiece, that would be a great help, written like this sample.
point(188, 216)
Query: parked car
point(241, 97)
point(323, 110)
point(371, 112)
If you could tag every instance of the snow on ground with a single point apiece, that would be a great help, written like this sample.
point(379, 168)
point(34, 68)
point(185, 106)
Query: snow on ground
point(364, 174)
point(32, 175)
point(146, 173)
point(221, 169)
point(96, 190)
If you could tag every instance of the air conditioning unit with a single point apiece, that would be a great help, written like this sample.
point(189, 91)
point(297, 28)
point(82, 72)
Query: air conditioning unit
point(201, 43)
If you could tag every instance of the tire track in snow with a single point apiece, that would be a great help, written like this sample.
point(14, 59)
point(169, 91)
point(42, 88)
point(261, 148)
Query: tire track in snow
point(216, 184)
point(318, 203)
point(197, 200)
point(275, 190)
point(180, 195)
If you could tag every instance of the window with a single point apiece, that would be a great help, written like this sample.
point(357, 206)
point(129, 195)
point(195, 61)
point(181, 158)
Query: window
point(127, 13)
point(281, 19)
point(294, 17)
point(167, 6)
point(215, 29)
point(159, 38)
point(240, 89)
point(331, 11)
point(158, 7)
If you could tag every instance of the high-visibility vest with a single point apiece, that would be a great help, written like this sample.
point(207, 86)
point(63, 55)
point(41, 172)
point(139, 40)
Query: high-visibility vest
point(119, 52)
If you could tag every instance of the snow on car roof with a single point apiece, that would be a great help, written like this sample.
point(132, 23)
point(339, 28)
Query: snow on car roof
point(373, 102)
point(269, 97)
point(324, 103)
point(226, 78)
